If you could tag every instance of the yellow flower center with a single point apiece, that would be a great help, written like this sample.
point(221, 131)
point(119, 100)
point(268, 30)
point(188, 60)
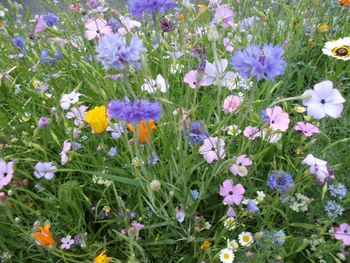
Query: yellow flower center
point(226, 255)
point(246, 239)
point(343, 51)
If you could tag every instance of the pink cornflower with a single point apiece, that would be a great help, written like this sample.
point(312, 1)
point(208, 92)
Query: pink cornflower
point(233, 194)
point(279, 120)
point(232, 103)
point(324, 100)
point(317, 167)
point(307, 128)
point(213, 149)
point(343, 233)
point(96, 28)
point(251, 132)
point(240, 166)
point(224, 15)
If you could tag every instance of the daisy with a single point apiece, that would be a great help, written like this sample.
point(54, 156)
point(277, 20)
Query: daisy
point(232, 245)
point(226, 255)
point(233, 130)
point(245, 239)
point(230, 223)
point(339, 48)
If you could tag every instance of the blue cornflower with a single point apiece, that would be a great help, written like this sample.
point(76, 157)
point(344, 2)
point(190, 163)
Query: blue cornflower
point(18, 42)
point(135, 111)
point(281, 181)
point(198, 132)
point(114, 52)
point(338, 190)
point(195, 194)
point(333, 209)
point(153, 158)
point(58, 55)
point(259, 62)
point(45, 59)
point(139, 7)
point(252, 207)
point(114, 23)
point(50, 19)
point(279, 237)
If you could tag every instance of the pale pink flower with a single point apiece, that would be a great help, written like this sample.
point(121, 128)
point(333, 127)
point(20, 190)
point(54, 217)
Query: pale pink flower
point(228, 44)
point(343, 233)
point(224, 16)
point(216, 72)
point(251, 132)
point(213, 149)
point(68, 99)
point(41, 25)
point(279, 120)
point(307, 128)
point(191, 79)
point(240, 166)
point(233, 194)
point(96, 28)
point(317, 167)
point(137, 225)
point(232, 103)
point(78, 114)
point(67, 145)
point(128, 25)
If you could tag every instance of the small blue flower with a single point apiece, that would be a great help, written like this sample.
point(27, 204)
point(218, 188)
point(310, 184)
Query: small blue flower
point(180, 216)
point(281, 181)
point(338, 190)
point(19, 42)
point(50, 19)
point(252, 207)
point(153, 159)
point(195, 194)
point(333, 209)
point(279, 237)
point(114, 23)
point(112, 152)
point(139, 7)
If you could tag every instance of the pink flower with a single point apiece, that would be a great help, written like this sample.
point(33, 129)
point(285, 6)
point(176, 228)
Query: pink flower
point(307, 128)
point(251, 132)
point(41, 25)
point(231, 212)
point(279, 120)
point(6, 172)
point(67, 145)
point(233, 194)
point(323, 100)
point(68, 99)
point(137, 225)
point(216, 72)
point(224, 15)
point(317, 167)
point(213, 149)
point(240, 166)
point(228, 44)
point(232, 103)
point(128, 24)
point(343, 233)
point(96, 28)
point(78, 114)
point(191, 79)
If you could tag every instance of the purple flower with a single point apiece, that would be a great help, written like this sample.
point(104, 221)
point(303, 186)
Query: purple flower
point(50, 19)
point(112, 152)
point(18, 42)
point(166, 25)
point(258, 62)
point(43, 122)
point(252, 206)
point(139, 7)
point(6, 172)
point(114, 24)
point(116, 130)
point(137, 225)
point(180, 215)
point(153, 158)
point(213, 148)
point(134, 111)
point(46, 170)
point(198, 132)
point(67, 242)
point(114, 52)
point(281, 181)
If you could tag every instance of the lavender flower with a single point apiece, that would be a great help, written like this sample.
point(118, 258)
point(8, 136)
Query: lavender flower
point(252, 207)
point(113, 51)
point(6, 172)
point(139, 7)
point(261, 63)
point(18, 42)
point(195, 194)
point(333, 209)
point(134, 111)
point(338, 190)
point(46, 170)
point(50, 19)
point(281, 181)
point(114, 24)
point(198, 132)
point(43, 122)
point(166, 25)
point(279, 237)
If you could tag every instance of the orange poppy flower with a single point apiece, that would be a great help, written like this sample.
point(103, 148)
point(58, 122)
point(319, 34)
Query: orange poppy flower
point(344, 2)
point(44, 237)
point(102, 258)
point(142, 130)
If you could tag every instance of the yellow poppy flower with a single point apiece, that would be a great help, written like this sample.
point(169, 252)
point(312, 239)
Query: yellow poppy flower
point(102, 258)
point(97, 119)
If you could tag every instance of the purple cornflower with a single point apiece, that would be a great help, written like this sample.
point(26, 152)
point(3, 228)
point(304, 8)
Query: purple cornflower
point(166, 25)
point(139, 7)
point(46, 170)
point(114, 24)
point(338, 190)
point(18, 42)
point(134, 111)
point(281, 181)
point(50, 19)
point(6, 172)
point(259, 62)
point(114, 52)
point(198, 132)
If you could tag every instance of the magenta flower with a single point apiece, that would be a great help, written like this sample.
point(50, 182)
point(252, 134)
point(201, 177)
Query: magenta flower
point(307, 128)
point(43, 122)
point(6, 172)
point(233, 194)
point(279, 120)
point(240, 166)
point(317, 167)
point(343, 233)
point(251, 132)
point(232, 103)
point(96, 28)
point(213, 149)
point(323, 100)
point(224, 15)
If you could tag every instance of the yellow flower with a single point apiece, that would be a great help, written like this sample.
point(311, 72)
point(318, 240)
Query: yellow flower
point(323, 28)
point(300, 109)
point(205, 245)
point(102, 258)
point(97, 119)
point(201, 7)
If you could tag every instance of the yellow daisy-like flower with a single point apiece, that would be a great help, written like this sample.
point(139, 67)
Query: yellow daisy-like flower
point(102, 258)
point(205, 245)
point(97, 119)
point(300, 109)
point(323, 28)
point(339, 49)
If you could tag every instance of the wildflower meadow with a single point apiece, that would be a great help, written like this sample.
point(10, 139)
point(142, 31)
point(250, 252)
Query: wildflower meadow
point(175, 131)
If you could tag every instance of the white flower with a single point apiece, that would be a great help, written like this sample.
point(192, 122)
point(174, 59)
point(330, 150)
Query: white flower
point(152, 86)
point(232, 245)
point(68, 99)
point(233, 130)
point(245, 239)
point(261, 196)
point(226, 255)
point(137, 162)
point(230, 223)
point(339, 49)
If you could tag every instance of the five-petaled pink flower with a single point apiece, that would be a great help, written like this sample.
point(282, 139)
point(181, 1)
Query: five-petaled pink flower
point(232, 103)
point(224, 15)
point(191, 79)
point(307, 128)
point(240, 166)
point(6, 172)
point(343, 233)
point(279, 120)
point(233, 194)
point(317, 167)
point(251, 132)
point(323, 100)
point(96, 28)
point(213, 148)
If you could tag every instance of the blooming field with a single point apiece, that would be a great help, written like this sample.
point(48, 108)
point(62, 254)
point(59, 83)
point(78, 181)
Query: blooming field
point(172, 131)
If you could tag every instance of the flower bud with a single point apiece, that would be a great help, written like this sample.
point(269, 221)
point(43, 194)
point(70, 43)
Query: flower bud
point(155, 185)
point(213, 34)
